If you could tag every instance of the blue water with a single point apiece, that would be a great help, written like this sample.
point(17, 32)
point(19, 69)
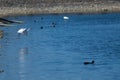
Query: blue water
point(58, 52)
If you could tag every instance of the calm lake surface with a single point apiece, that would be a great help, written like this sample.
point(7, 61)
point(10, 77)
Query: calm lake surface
point(58, 51)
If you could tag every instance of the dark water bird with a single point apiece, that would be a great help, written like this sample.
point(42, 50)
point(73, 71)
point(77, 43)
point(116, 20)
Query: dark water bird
point(41, 27)
point(35, 21)
point(53, 24)
point(1, 71)
point(92, 62)
point(41, 18)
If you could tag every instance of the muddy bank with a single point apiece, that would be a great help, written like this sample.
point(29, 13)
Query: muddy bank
point(90, 6)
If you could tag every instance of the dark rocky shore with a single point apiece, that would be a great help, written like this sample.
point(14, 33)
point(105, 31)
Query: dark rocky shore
point(28, 7)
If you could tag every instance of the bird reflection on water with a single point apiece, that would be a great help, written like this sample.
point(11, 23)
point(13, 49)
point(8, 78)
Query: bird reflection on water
point(22, 61)
point(23, 50)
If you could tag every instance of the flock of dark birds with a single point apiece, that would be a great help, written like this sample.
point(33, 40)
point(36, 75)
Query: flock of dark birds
point(5, 22)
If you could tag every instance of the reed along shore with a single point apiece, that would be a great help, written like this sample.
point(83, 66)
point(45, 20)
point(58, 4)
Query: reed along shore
point(30, 7)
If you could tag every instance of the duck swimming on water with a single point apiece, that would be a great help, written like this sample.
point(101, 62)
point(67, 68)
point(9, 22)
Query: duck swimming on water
point(92, 62)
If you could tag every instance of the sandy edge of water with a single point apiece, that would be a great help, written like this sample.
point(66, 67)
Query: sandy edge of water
point(68, 8)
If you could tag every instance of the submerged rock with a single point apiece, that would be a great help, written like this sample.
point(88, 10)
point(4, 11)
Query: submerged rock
point(1, 33)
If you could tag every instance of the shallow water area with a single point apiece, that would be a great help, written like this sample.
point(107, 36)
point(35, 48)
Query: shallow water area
point(55, 49)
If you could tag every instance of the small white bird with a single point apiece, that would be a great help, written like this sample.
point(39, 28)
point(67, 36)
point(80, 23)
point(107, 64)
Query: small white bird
point(65, 17)
point(22, 30)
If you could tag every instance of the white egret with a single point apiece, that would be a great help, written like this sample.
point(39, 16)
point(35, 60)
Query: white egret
point(22, 30)
point(65, 17)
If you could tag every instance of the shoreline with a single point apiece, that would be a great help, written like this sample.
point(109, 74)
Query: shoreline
point(80, 8)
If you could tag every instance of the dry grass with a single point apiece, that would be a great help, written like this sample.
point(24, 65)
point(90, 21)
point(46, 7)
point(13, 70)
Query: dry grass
point(82, 7)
